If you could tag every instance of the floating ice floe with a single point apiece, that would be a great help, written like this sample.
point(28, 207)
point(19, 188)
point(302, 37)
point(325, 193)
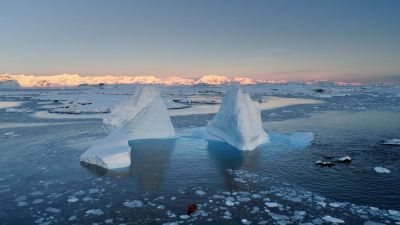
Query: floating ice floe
point(379, 169)
point(323, 163)
point(238, 121)
point(392, 142)
point(142, 116)
point(332, 219)
point(96, 212)
point(345, 159)
point(134, 204)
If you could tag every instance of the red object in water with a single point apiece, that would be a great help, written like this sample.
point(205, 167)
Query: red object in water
point(191, 208)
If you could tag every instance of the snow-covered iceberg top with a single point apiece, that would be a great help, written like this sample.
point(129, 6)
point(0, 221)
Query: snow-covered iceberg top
point(238, 121)
point(142, 116)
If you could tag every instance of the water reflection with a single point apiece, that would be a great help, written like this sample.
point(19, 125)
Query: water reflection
point(226, 157)
point(149, 160)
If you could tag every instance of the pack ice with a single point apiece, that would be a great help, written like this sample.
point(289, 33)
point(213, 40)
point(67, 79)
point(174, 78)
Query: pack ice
point(238, 121)
point(142, 116)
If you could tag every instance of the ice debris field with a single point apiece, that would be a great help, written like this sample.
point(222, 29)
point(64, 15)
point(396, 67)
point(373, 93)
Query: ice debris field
point(157, 149)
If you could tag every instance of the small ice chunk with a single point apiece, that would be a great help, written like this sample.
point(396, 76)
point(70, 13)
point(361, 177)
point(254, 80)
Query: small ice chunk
point(200, 192)
point(393, 212)
point(20, 204)
point(71, 218)
point(37, 201)
point(72, 200)
point(238, 121)
point(245, 221)
point(9, 133)
point(93, 190)
point(184, 217)
point(334, 204)
point(134, 204)
point(229, 203)
point(53, 210)
point(171, 223)
point(345, 159)
point(271, 204)
point(391, 142)
point(379, 169)
point(372, 223)
point(332, 219)
point(323, 163)
point(96, 212)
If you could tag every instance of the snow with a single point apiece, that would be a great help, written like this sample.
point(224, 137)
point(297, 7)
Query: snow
point(111, 152)
point(379, 169)
point(74, 80)
point(238, 121)
point(213, 80)
point(142, 116)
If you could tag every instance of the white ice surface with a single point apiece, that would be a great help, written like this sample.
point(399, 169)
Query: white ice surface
point(238, 121)
point(379, 169)
point(391, 142)
point(142, 116)
point(9, 104)
point(111, 152)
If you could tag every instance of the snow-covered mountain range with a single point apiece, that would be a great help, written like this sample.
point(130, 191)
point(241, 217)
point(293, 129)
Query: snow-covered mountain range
point(71, 80)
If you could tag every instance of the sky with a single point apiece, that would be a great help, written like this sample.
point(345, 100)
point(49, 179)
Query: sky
point(341, 40)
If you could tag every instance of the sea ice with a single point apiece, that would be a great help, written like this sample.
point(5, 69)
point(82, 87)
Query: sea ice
point(134, 204)
point(142, 116)
point(238, 121)
point(391, 142)
point(111, 152)
point(96, 212)
point(332, 219)
point(379, 169)
point(345, 159)
point(200, 192)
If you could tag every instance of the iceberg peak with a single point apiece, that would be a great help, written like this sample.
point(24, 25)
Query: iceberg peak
point(142, 116)
point(238, 121)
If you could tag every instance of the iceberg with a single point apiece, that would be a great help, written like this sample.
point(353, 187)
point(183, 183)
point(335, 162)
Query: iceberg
point(111, 152)
point(238, 121)
point(142, 116)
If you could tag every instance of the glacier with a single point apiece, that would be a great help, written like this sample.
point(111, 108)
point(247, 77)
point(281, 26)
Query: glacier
point(238, 121)
point(142, 116)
